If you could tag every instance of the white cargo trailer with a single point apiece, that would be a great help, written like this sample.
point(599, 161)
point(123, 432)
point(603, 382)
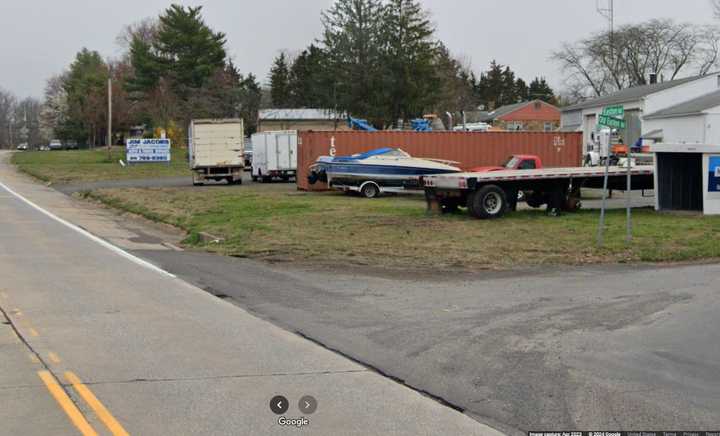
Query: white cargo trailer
point(274, 155)
point(216, 150)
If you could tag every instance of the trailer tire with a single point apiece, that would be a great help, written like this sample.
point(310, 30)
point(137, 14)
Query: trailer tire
point(370, 190)
point(488, 202)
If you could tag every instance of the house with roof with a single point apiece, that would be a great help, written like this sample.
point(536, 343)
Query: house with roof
point(533, 116)
point(639, 103)
point(301, 120)
point(696, 121)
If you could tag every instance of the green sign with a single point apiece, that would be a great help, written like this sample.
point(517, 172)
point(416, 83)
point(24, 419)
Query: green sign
point(614, 111)
point(613, 123)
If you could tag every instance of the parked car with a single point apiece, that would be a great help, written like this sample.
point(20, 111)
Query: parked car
point(22, 147)
point(248, 154)
point(55, 144)
point(44, 148)
point(71, 145)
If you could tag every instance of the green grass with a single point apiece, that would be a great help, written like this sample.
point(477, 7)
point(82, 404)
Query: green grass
point(276, 222)
point(63, 167)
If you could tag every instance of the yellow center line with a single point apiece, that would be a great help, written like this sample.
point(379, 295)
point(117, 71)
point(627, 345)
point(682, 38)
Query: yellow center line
point(95, 404)
point(66, 404)
point(33, 332)
point(53, 357)
point(17, 312)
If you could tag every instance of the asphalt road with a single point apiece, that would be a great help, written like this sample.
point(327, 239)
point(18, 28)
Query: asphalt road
point(573, 348)
point(623, 347)
point(96, 341)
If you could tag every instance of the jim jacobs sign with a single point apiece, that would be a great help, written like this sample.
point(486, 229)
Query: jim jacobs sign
point(147, 150)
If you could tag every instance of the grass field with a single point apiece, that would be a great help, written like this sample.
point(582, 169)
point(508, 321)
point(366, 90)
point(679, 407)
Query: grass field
point(278, 223)
point(62, 167)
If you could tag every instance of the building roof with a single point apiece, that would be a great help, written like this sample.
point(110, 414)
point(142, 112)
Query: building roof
point(508, 108)
point(299, 114)
point(692, 107)
point(629, 94)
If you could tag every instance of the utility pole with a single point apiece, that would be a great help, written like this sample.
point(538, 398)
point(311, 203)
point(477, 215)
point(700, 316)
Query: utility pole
point(109, 128)
point(609, 13)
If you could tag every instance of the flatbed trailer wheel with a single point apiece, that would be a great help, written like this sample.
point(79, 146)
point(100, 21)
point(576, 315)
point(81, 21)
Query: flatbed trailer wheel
point(488, 202)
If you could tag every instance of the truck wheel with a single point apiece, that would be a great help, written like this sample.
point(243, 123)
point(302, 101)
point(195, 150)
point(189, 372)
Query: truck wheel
point(488, 202)
point(370, 190)
point(196, 181)
point(255, 179)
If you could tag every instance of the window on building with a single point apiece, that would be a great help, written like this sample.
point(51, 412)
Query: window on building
point(549, 127)
point(514, 125)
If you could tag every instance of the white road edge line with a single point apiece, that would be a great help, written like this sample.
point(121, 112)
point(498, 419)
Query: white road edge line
point(89, 235)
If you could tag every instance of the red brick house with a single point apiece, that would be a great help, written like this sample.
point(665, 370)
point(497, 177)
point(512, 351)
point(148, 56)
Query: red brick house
point(528, 116)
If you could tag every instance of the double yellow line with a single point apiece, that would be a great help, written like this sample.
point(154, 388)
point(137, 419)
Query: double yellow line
point(71, 410)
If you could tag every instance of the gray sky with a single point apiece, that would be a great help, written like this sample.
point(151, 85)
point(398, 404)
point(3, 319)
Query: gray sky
point(39, 38)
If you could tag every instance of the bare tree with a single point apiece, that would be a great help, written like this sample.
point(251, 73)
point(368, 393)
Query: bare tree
point(660, 47)
point(55, 106)
point(716, 7)
point(145, 30)
point(8, 103)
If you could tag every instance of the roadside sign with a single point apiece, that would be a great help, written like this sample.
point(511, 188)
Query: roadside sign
point(614, 111)
point(612, 122)
point(147, 150)
point(714, 179)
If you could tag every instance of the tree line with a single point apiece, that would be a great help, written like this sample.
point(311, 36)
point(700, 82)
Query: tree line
point(174, 68)
point(381, 60)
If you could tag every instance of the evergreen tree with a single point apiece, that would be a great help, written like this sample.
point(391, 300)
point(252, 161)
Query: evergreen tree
point(250, 97)
point(352, 41)
point(409, 52)
point(541, 90)
point(521, 90)
point(85, 87)
point(188, 49)
point(308, 80)
point(280, 82)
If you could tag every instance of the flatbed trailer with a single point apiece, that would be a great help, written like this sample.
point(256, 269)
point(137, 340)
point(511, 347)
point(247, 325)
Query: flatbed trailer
point(492, 194)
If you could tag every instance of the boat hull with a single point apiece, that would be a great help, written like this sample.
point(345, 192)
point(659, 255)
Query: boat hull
point(389, 178)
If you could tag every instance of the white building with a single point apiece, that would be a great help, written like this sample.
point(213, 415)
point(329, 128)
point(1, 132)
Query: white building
point(639, 102)
point(696, 121)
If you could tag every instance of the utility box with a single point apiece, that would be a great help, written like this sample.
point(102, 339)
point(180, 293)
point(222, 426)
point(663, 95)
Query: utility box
point(687, 177)
point(274, 155)
point(216, 150)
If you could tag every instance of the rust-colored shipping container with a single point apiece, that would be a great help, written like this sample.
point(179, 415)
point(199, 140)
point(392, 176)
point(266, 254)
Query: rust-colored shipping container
point(470, 149)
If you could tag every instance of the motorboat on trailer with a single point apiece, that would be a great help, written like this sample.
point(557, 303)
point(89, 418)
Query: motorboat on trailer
point(377, 171)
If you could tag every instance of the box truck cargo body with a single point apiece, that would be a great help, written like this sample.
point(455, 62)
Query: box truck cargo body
point(216, 150)
point(274, 155)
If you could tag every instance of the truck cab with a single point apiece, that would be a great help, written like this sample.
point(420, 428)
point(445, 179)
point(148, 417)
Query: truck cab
point(514, 162)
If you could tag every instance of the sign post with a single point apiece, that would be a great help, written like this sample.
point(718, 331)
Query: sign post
point(612, 117)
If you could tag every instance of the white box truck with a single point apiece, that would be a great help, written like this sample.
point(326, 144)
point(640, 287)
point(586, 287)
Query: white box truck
point(274, 155)
point(216, 150)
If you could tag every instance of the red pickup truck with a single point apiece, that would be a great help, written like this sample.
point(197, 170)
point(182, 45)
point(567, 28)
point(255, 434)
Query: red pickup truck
point(514, 162)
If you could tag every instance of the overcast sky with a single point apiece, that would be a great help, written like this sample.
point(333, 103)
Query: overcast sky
point(39, 38)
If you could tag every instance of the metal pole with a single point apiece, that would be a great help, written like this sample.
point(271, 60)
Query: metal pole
point(629, 236)
point(109, 132)
point(601, 228)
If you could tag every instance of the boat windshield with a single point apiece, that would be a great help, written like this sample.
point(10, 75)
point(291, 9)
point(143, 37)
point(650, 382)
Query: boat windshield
point(394, 152)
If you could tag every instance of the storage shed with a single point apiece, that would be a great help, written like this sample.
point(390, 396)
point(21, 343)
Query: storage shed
point(687, 177)
point(302, 120)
